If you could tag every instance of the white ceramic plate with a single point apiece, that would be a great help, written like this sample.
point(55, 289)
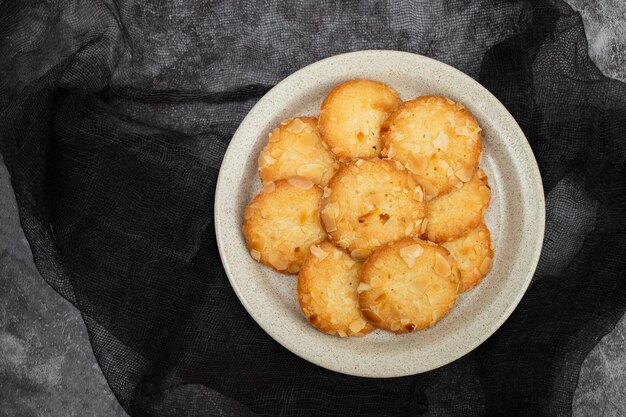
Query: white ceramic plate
point(516, 219)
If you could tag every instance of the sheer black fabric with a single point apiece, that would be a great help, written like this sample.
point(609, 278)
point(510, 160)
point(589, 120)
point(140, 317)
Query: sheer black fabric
point(115, 115)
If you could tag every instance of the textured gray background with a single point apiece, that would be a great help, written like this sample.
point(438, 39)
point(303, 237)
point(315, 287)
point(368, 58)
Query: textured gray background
point(58, 374)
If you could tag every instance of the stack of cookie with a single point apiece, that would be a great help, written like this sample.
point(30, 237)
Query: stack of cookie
point(378, 206)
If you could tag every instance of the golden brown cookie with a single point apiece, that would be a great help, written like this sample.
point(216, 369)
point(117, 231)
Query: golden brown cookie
point(408, 285)
point(451, 215)
point(352, 114)
point(295, 148)
point(370, 202)
point(435, 138)
point(327, 285)
point(473, 254)
point(282, 222)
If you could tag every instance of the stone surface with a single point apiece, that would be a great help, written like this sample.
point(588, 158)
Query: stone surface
point(46, 364)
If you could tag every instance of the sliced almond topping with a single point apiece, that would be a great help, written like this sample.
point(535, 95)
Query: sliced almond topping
point(318, 252)
point(296, 126)
point(371, 316)
point(349, 263)
point(360, 254)
point(359, 162)
point(300, 182)
point(395, 326)
point(269, 187)
point(481, 174)
point(268, 159)
point(419, 194)
point(462, 130)
point(424, 225)
point(327, 191)
point(357, 325)
point(410, 253)
point(416, 163)
point(409, 229)
point(274, 136)
point(464, 174)
point(328, 219)
point(341, 333)
point(441, 141)
point(344, 243)
point(279, 263)
point(441, 265)
point(337, 254)
point(256, 255)
point(313, 171)
point(363, 286)
point(430, 190)
point(485, 266)
point(336, 150)
point(399, 166)
point(390, 152)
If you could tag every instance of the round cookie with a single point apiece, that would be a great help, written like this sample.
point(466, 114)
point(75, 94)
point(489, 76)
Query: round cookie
point(371, 202)
point(473, 254)
point(408, 285)
point(351, 116)
point(435, 138)
point(282, 222)
point(451, 215)
point(295, 148)
point(327, 285)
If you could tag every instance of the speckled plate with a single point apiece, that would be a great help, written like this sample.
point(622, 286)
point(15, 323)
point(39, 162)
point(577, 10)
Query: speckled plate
point(516, 218)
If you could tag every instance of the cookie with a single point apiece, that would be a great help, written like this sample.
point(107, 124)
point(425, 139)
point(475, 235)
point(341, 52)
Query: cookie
point(408, 285)
point(295, 148)
point(327, 285)
point(370, 202)
point(473, 254)
point(351, 116)
point(282, 222)
point(452, 214)
point(435, 138)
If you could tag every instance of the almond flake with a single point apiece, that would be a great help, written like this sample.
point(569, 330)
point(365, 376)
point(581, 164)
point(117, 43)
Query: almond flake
point(464, 174)
point(363, 286)
point(360, 254)
point(318, 252)
point(328, 219)
point(300, 182)
point(357, 325)
point(441, 142)
point(410, 253)
point(462, 130)
point(296, 126)
point(269, 187)
point(256, 255)
point(313, 171)
point(441, 265)
point(485, 265)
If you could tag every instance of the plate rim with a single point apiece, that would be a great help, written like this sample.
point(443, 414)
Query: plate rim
point(533, 173)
